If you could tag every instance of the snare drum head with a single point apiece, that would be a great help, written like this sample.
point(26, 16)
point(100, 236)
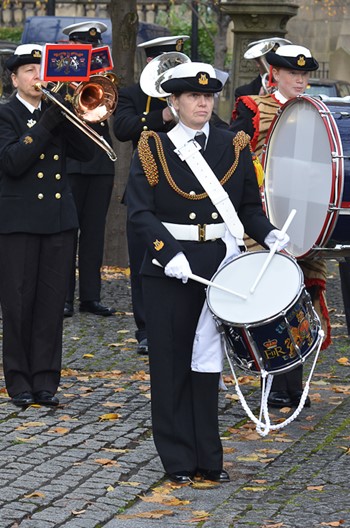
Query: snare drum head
point(298, 173)
point(277, 289)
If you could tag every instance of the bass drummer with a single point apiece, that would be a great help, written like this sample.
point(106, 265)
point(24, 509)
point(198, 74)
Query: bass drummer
point(291, 67)
point(171, 209)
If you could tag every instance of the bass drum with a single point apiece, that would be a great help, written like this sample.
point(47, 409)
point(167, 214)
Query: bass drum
point(307, 168)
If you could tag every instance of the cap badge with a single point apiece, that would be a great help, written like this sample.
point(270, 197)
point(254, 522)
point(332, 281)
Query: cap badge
point(36, 54)
point(158, 245)
point(92, 32)
point(301, 61)
point(203, 79)
point(179, 45)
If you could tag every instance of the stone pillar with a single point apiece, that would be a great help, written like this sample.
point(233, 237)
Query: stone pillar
point(254, 20)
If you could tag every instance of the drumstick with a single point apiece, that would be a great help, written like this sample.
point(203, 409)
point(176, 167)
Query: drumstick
point(273, 250)
point(202, 280)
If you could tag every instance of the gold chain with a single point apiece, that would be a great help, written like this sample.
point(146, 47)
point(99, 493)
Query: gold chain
point(149, 165)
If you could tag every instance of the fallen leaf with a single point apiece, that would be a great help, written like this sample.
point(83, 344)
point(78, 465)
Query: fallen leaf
point(110, 488)
point(106, 462)
point(76, 512)
point(343, 361)
point(204, 484)
point(155, 514)
point(29, 424)
point(88, 355)
point(132, 484)
point(35, 494)
point(315, 488)
point(109, 416)
point(333, 523)
point(199, 516)
point(59, 430)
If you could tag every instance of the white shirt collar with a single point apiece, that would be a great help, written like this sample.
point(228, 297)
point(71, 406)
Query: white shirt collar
point(280, 97)
point(30, 107)
point(191, 133)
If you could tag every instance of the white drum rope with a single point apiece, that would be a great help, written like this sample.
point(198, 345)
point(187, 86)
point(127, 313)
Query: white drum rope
point(264, 427)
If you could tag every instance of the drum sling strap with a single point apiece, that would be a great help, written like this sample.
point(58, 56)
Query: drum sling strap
point(264, 427)
point(190, 153)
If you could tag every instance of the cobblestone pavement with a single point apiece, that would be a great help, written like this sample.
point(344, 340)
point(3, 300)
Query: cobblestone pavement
point(91, 462)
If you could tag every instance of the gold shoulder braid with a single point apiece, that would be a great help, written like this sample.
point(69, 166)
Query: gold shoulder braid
point(147, 160)
point(240, 141)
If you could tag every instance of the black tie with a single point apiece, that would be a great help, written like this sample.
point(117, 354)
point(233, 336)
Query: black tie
point(201, 139)
point(37, 114)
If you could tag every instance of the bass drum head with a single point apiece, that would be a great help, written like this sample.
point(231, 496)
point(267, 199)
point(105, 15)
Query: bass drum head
point(277, 289)
point(298, 173)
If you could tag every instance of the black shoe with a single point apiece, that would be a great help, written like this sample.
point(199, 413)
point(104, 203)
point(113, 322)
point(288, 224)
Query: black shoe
point(96, 308)
point(46, 398)
point(279, 399)
point(23, 399)
point(68, 309)
point(181, 477)
point(295, 397)
point(142, 347)
point(214, 475)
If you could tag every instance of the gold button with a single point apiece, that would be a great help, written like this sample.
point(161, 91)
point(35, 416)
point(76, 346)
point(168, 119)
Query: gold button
point(192, 193)
point(56, 157)
point(214, 216)
point(145, 128)
point(192, 216)
point(57, 196)
point(143, 119)
point(40, 196)
point(40, 175)
point(42, 156)
point(58, 176)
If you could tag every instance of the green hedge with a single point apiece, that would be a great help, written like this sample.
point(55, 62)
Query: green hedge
point(11, 34)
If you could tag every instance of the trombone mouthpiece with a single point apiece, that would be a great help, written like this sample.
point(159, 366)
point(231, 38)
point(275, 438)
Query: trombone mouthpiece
point(37, 86)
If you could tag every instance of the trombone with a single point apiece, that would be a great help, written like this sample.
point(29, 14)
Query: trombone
point(94, 100)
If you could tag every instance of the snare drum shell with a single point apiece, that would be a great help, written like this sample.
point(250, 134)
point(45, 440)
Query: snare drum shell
point(262, 330)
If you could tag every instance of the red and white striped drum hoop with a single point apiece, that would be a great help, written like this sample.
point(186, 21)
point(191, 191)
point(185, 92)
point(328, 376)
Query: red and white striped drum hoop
point(305, 169)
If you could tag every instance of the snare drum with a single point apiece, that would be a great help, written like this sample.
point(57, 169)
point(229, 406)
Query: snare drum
point(307, 168)
point(276, 327)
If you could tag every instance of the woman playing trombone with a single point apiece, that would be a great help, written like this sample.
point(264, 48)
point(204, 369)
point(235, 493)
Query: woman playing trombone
point(37, 224)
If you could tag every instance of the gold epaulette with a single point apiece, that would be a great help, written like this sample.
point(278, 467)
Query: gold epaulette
point(147, 160)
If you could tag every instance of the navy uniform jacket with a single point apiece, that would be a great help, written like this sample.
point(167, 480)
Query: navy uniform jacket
point(35, 195)
point(149, 206)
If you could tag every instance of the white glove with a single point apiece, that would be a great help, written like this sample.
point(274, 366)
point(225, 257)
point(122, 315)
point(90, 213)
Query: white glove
point(273, 236)
point(178, 267)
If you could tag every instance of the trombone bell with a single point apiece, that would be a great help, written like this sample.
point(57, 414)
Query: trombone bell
point(96, 99)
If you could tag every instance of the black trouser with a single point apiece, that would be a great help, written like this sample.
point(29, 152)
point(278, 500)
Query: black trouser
point(92, 195)
point(34, 273)
point(137, 250)
point(344, 272)
point(184, 403)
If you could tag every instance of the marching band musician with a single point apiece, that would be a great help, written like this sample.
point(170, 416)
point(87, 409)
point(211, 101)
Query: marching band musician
point(291, 67)
point(181, 228)
point(37, 222)
point(92, 185)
